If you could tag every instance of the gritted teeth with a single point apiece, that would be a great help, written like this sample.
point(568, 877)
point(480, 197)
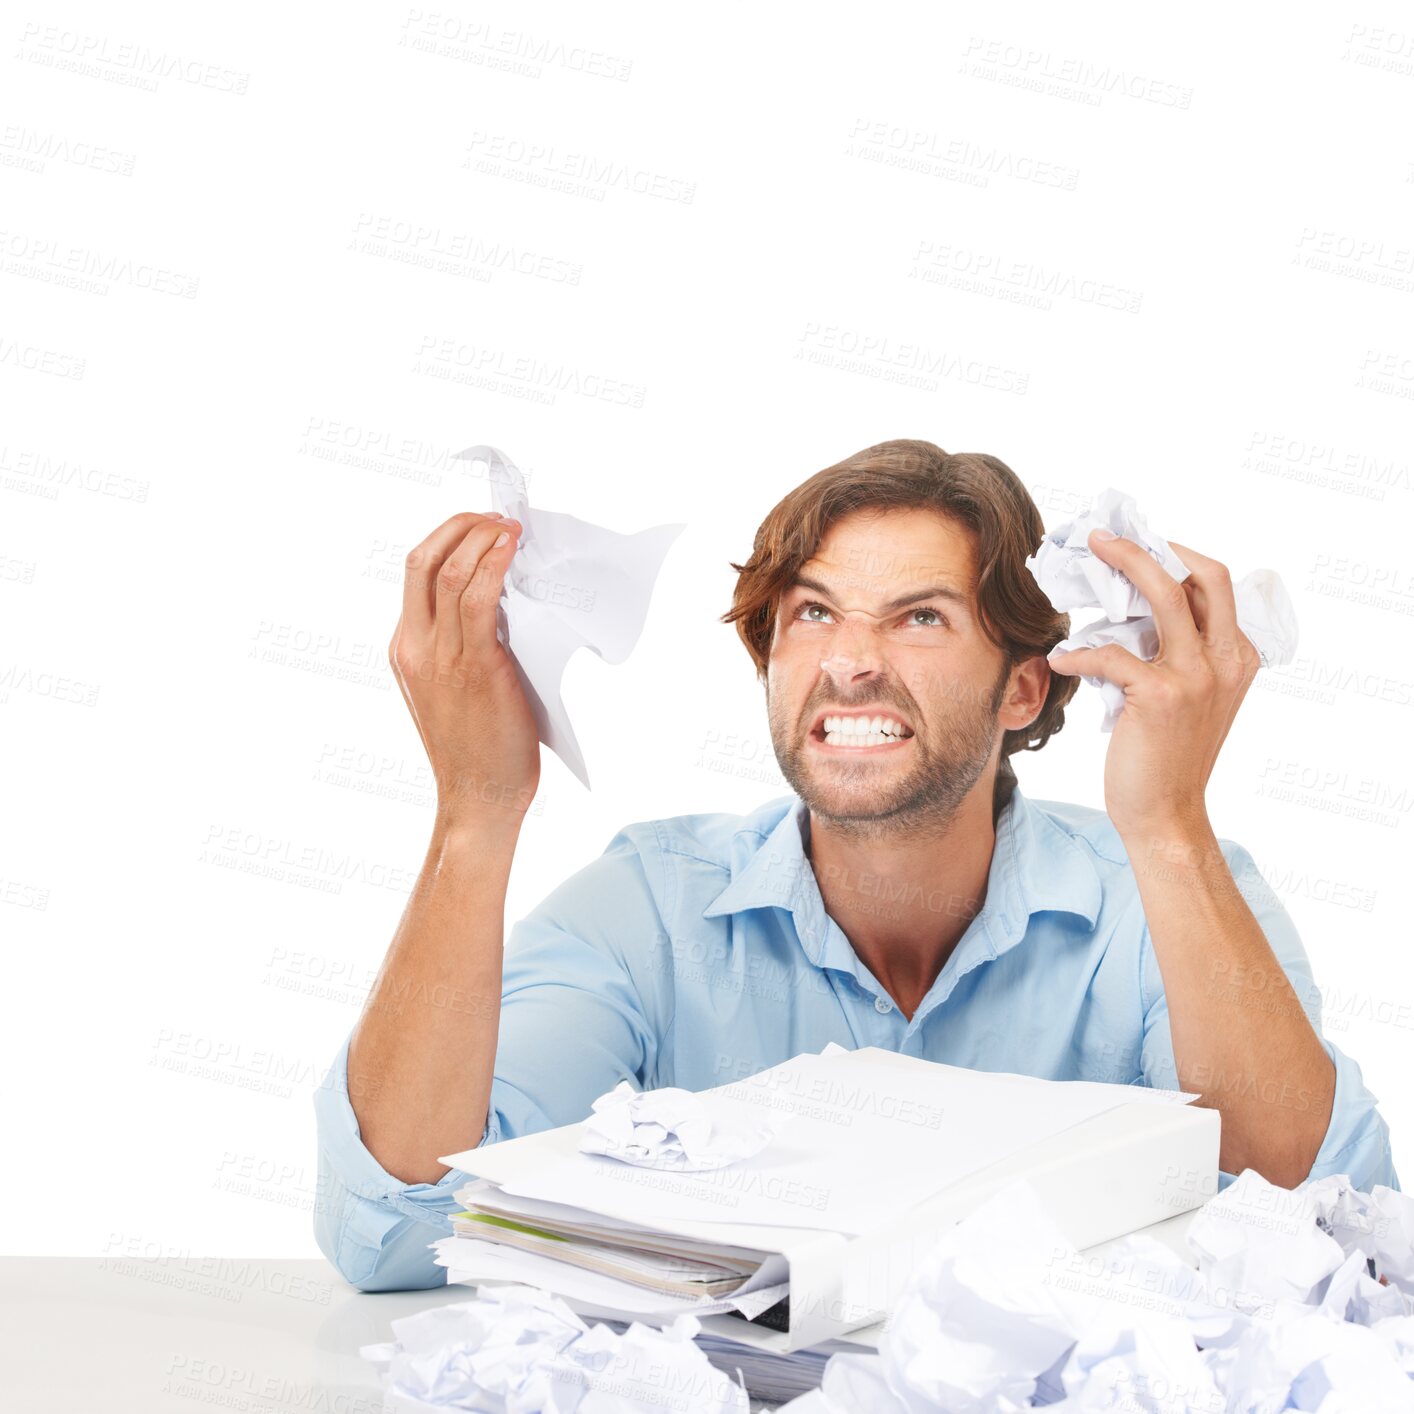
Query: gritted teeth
point(861, 725)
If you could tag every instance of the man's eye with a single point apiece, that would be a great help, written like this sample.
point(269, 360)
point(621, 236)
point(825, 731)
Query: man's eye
point(803, 613)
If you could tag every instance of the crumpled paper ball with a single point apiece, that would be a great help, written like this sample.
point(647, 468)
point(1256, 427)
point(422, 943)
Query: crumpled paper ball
point(1073, 577)
point(673, 1129)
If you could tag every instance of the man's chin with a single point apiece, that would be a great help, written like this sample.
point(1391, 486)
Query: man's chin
point(849, 786)
point(837, 795)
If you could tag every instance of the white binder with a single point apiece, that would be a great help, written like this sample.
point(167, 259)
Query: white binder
point(1121, 1170)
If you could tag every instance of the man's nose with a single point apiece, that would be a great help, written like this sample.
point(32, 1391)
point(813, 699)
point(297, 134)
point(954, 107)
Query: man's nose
point(854, 650)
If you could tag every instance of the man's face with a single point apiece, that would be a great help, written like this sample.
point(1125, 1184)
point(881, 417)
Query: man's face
point(926, 663)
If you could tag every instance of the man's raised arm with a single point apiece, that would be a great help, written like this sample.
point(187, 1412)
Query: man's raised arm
point(1289, 1109)
point(420, 1059)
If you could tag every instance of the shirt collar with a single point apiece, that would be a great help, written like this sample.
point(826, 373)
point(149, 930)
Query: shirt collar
point(1037, 866)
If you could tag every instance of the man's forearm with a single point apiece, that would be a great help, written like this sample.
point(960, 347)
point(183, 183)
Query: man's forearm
point(422, 1054)
point(1240, 1035)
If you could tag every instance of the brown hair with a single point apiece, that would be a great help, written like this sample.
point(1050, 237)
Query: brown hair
point(978, 490)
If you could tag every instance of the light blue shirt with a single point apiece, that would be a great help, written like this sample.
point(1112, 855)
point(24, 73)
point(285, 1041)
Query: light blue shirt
point(696, 950)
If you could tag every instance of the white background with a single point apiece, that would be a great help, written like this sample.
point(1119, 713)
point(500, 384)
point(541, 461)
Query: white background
point(264, 269)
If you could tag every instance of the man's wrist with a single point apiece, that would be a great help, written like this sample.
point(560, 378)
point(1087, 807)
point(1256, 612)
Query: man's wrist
point(493, 832)
point(1180, 853)
point(1189, 833)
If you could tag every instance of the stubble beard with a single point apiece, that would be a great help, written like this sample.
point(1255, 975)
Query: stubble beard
point(870, 801)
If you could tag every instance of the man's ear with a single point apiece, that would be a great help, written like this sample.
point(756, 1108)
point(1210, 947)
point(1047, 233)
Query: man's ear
point(1026, 691)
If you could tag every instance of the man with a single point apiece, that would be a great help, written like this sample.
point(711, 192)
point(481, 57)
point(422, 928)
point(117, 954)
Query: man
point(907, 895)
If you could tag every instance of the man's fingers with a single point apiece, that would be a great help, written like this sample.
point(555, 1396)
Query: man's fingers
point(1209, 588)
point(1173, 615)
point(1109, 661)
point(452, 580)
point(479, 600)
point(420, 572)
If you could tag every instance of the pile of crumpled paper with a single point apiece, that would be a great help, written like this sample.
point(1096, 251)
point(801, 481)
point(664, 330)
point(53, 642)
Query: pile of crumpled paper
point(517, 1350)
point(1303, 1299)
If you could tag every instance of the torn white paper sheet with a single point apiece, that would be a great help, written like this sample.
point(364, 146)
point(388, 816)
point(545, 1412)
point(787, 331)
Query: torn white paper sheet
point(516, 1350)
point(1073, 577)
point(673, 1129)
point(570, 585)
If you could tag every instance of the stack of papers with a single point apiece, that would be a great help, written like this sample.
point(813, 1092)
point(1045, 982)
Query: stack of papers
point(871, 1156)
point(605, 1266)
point(770, 1375)
point(638, 1255)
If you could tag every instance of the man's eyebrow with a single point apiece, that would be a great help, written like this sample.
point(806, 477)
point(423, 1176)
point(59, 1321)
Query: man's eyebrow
point(915, 596)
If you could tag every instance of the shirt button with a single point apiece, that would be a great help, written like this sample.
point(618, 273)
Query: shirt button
point(883, 1005)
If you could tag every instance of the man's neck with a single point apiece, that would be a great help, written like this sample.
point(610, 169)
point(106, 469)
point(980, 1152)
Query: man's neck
point(904, 903)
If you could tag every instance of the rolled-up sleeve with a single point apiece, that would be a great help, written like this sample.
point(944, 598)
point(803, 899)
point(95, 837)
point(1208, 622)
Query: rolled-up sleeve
point(1356, 1142)
point(574, 1021)
point(375, 1229)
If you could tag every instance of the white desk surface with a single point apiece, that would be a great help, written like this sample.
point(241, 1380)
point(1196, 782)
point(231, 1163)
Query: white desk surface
point(212, 1335)
point(216, 1333)
point(122, 1335)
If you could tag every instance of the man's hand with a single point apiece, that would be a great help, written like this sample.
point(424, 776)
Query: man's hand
point(458, 680)
point(1179, 707)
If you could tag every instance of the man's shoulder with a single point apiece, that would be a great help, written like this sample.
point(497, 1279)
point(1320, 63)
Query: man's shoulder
point(1093, 829)
point(663, 865)
point(1086, 825)
point(715, 837)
